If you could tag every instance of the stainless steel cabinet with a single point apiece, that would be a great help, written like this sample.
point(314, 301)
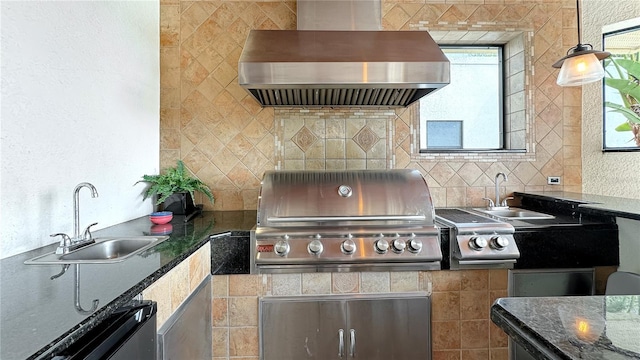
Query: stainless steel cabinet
point(372, 327)
point(547, 282)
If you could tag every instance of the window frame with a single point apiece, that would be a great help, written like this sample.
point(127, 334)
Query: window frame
point(501, 106)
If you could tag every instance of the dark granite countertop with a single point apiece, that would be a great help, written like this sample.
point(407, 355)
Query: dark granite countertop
point(593, 204)
point(38, 316)
point(587, 327)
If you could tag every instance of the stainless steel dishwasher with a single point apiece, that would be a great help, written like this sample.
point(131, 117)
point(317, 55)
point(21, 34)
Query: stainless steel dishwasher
point(130, 333)
point(394, 326)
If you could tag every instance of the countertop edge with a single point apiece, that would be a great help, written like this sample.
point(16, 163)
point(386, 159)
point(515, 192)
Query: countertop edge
point(590, 204)
point(520, 333)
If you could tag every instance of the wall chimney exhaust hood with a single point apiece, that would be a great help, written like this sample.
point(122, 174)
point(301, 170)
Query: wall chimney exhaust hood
point(337, 67)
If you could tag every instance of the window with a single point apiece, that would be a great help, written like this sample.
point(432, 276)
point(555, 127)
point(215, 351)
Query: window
point(467, 114)
point(621, 99)
point(444, 134)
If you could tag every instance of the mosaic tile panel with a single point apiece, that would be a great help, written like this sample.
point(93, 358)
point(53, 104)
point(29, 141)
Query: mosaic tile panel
point(324, 139)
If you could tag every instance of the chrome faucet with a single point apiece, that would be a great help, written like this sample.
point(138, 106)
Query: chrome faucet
point(71, 243)
point(76, 207)
point(497, 182)
point(497, 203)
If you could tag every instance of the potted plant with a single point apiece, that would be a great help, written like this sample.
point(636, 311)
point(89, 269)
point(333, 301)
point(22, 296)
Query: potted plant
point(175, 189)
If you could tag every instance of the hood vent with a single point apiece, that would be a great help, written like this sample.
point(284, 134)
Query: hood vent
point(351, 64)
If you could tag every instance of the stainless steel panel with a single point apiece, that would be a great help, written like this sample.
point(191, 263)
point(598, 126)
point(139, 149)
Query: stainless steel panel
point(339, 15)
point(384, 326)
point(390, 329)
point(309, 267)
point(309, 194)
point(187, 333)
point(332, 252)
point(341, 68)
point(293, 329)
point(464, 252)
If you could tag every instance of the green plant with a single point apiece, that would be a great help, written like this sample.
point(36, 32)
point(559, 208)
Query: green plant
point(174, 180)
point(627, 82)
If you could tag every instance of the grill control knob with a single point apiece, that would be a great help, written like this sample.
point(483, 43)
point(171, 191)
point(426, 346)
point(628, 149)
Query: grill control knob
point(477, 243)
point(414, 245)
point(398, 245)
point(315, 247)
point(348, 247)
point(381, 246)
point(281, 248)
point(499, 242)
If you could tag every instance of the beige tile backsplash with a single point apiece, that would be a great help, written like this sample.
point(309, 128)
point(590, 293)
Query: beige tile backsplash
point(228, 141)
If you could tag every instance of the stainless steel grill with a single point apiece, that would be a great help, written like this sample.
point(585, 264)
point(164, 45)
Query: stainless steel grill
point(345, 221)
point(476, 241)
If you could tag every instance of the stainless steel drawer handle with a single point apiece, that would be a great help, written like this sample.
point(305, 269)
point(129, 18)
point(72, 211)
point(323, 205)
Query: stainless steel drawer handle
point(352, 345)
point(340, 343)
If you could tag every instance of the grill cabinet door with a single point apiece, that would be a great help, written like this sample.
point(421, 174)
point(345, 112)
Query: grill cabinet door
point(300, 329)
point(389, 329)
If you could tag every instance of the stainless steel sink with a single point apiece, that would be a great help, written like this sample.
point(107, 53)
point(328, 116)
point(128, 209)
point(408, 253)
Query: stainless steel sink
point(103, 251)
point(515, 213)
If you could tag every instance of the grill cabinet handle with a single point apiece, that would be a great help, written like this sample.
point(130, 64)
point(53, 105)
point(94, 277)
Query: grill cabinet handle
point(352, 345)
point(340, 343)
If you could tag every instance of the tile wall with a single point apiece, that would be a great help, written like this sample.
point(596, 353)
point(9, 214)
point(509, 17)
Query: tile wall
point(228, 141)
point(173, 288)
point(461, 300)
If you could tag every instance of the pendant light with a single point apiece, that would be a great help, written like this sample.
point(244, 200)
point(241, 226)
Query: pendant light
point(582, 64)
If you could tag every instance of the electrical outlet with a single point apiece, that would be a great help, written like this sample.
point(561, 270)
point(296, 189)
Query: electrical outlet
point(553, 180)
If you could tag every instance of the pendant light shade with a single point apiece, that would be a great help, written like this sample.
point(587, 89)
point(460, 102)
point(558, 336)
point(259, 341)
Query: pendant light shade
point(582, 63)
point(580, 70)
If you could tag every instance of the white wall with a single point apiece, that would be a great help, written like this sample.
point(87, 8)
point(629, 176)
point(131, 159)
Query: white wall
point(612, 174)
point(80, 102)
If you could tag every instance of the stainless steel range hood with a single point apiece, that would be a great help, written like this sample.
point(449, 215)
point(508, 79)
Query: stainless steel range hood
point(340, 67)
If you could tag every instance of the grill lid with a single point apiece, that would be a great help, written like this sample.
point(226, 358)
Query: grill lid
point(310, 198)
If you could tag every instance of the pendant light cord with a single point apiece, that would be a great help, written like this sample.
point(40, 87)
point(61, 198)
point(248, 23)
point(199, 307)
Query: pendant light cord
point(579, 31)
point(580, 46)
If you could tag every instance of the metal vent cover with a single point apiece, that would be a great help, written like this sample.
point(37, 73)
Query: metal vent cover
point(338, 97)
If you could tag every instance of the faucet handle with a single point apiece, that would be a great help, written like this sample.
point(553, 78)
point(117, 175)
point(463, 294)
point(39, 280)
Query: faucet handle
point(86, 235)
point(504, 201)
point(490, 203)
point(65, 242)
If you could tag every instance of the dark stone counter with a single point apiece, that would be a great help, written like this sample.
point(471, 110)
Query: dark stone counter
point(586, 327)
point(38, 315)
point(588, 204)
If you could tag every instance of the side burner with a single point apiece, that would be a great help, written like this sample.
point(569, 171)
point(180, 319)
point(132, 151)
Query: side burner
point(476, 241)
